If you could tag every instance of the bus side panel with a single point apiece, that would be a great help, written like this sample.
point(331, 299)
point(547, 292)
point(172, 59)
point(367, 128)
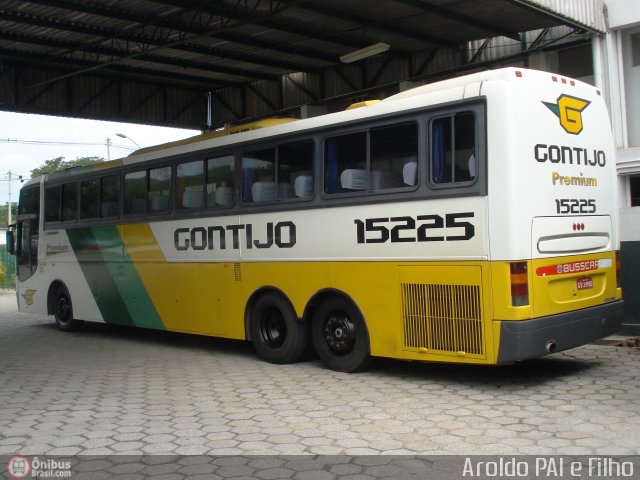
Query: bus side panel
point(59, 262)
point(432, 311)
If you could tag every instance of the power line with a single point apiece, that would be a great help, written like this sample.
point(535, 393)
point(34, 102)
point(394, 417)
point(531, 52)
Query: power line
point(24, 141)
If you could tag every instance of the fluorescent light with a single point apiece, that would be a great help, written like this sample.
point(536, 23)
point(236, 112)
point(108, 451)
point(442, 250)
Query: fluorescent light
point(365, 52)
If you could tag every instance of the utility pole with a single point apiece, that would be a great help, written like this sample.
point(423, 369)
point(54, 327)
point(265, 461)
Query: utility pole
point(108, 149)
point(9, 179)
point(9, 209)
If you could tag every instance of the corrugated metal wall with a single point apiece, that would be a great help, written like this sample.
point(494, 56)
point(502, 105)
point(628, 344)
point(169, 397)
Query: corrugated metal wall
point(586, 12)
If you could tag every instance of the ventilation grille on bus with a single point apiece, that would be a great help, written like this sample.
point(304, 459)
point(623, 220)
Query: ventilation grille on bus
point(237, 272)
point(443, 318)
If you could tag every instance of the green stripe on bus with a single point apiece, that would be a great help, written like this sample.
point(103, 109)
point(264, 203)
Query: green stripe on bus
point(118, 289)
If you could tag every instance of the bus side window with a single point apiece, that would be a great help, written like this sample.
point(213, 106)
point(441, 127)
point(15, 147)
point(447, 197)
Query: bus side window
point(295, 170)
point(135, 192)
point(453, 157)
point(110, 196)
point(259, 176)
point(220, 181)
point(345, 163)
point(89, 198)
point(69, 202)
point(52, 204)
point(394, 156)
point(159, 187)
point(190, 184)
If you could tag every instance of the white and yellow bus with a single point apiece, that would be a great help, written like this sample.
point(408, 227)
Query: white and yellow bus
point(472, 220)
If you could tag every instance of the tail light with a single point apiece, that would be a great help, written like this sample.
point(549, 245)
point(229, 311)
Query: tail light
point(519, 284)
point(618, 281)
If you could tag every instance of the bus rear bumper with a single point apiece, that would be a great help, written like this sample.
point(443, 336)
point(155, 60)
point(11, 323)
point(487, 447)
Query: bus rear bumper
point(520, 340)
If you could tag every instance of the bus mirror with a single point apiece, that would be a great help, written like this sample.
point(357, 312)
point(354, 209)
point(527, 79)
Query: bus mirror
point(11, 242)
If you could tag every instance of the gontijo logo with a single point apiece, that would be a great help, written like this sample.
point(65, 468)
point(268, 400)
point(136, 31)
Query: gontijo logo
point(569, 109)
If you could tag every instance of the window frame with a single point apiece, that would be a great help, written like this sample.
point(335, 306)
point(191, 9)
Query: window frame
point(367, 128)
point(275, 145)
point(476, 152)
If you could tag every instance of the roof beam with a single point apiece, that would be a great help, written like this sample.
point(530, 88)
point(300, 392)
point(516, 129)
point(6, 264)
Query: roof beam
point(146, 41)
point(171, 23)
point(369, 22)
point(100, 51)
point(270, 20)
point(491, 29)
point(150, 76)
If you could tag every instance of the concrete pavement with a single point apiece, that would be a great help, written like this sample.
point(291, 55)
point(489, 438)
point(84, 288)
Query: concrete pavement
point(111, 390)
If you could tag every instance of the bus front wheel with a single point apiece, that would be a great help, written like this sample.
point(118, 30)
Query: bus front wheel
point(340, 335)
point(276, 332)
point(63, 311)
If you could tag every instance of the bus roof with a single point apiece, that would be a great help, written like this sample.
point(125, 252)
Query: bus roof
point(447, 90)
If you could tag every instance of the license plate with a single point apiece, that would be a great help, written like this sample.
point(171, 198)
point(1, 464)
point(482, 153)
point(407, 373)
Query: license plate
point(584, 283)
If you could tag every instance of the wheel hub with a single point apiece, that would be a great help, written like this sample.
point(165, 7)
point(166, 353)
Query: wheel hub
point(273, 328)
point(340, 333)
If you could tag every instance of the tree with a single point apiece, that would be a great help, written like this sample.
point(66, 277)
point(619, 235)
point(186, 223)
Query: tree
point(59, 163)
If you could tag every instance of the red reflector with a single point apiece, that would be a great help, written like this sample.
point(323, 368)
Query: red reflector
point(518, 73)
point(564, 80)
point(554, 78)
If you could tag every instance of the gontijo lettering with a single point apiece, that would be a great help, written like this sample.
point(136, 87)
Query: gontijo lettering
point(569, 155)
point(281, 234)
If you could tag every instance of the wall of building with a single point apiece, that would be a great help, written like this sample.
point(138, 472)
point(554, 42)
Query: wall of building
point(621, 66)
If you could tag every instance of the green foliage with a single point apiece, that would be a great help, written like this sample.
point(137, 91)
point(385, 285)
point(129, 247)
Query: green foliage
point(4, 214)
point(3, 272)
point(59, 163)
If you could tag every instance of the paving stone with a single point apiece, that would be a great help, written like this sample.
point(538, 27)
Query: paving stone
point(132, 393)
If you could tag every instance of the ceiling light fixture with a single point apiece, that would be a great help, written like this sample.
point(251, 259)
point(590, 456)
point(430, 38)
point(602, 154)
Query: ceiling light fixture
point(365, 52)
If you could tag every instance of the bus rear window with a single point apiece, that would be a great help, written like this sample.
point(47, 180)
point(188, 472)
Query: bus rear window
point(453, 149)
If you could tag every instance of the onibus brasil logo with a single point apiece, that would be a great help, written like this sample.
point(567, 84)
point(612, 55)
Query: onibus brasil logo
point(23, 467)
point(569, 109)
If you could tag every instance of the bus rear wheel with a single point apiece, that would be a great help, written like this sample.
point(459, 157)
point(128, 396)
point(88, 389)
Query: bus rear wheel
point(63, 311)
point(340, 336)
point(276, 332)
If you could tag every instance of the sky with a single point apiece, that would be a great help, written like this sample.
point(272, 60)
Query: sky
point(27, 141)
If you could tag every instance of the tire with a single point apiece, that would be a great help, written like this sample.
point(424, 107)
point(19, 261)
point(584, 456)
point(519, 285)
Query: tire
point(276, 332)
point(63, 311)
point(340, 336)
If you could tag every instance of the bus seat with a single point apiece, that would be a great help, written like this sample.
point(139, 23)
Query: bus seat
point(263, 191)
point(109, 209)
point(224, 196)
point(303, 186)
point(285, 190)
point(410, 173)
point(382, 179)
point(192, 199)
point(472, 165)
point(354, 179)
point(160, 203)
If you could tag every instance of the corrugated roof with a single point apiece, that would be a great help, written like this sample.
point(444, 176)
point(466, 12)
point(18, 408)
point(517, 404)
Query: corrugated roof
point(215, 44)
point(209, 46)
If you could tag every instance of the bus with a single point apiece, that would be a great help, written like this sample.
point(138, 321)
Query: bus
point(472, 220)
